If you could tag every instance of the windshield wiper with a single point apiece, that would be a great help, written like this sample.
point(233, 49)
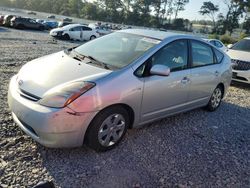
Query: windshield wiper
point(94, 60)
point(81, 57)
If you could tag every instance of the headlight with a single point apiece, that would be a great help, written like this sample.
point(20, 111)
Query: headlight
point(60, 97)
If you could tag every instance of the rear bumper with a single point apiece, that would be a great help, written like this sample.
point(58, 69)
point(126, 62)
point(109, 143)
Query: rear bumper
point(241, 76)
point(50, 127)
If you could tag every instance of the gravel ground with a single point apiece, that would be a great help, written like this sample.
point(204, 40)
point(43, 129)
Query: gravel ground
point(193, 149)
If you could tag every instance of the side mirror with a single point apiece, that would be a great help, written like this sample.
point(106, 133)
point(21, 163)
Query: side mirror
point(230, 46)
point(160, 70)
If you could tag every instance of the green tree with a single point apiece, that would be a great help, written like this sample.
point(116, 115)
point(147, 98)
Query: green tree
point(179, 5)
point(209, 9)
point(236, 8)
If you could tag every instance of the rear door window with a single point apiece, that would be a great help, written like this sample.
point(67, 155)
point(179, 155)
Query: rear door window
point(202, 54)
point(219, 56)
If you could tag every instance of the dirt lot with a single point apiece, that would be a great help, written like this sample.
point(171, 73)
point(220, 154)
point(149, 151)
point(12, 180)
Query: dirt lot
point(193, 149)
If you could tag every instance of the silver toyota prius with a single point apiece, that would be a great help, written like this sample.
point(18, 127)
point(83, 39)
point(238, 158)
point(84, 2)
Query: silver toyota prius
point(93, 93)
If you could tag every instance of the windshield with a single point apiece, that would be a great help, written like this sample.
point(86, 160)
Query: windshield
point(243, 45)
point(117, 49)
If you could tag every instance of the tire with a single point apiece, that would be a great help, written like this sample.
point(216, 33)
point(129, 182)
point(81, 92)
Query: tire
point(108, 128)
point(215, 99)
point(92, 37)
point(66, 37)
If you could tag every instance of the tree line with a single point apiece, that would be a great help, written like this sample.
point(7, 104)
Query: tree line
point(150, 13)
point(236, 10)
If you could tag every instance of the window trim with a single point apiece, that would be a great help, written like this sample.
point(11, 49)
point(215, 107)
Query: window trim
point(146, 62)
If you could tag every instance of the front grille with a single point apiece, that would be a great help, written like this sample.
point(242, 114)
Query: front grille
point(28, 95)
point(240, 65)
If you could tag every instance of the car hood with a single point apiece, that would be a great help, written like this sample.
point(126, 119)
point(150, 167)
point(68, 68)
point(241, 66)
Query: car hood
point(239, 55)
point(57, 29)
point(42, 74)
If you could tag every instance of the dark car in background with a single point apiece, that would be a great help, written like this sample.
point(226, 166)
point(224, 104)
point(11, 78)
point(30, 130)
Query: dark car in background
point(51, 16)
point(31, 13)
point(67, 20)
point(26, 23)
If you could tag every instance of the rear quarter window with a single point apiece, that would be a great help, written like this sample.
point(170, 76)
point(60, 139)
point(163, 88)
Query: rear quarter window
point(219, 56)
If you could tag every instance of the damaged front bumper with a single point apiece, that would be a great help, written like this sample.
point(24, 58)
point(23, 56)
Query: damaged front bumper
point(51, 127)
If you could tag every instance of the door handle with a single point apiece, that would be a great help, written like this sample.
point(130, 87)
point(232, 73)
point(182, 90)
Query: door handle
point(216, 73)
point(185, 80)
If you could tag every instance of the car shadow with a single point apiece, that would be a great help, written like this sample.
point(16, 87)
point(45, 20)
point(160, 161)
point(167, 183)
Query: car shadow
point(3, 29)
point(240, 85)
point(196, 146)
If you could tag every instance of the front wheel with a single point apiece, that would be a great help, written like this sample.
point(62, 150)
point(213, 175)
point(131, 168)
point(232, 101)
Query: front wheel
point(66, 37)
point(107, 129)
point(215, 99)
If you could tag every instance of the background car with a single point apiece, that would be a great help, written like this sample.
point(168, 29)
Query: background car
point(217, 43)
point(75, 32)
point(31, 13)
point(48, 23)
point(101, 29)
point(67, 20)
point(240, 55)
point(51, 16)
point(26, 23)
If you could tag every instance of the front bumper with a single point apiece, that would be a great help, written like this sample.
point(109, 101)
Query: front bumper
point(241, 76)
point(51, 127)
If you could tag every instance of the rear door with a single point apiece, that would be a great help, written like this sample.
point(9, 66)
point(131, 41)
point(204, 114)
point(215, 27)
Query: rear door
point(86, 33)
point(205, 72)
point(75, 33)
point(165, 95)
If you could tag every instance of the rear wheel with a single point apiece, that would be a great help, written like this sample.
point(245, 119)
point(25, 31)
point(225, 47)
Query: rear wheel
point(215, 99)
point(92, 37)
point(108, 128)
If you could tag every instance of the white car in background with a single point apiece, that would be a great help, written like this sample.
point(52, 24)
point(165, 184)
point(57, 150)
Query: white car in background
point(240, 55)
point(217, 43)
point(75, 32)
point(102, 30)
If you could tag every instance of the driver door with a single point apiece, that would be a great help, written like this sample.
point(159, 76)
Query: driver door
point(165, 95)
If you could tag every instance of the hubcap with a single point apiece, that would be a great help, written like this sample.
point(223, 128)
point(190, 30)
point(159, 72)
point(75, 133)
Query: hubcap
point(216, 98)
point(111, 130)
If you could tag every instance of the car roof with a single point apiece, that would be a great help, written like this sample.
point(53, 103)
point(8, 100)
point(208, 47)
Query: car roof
point(161, 35)
point(73, 25)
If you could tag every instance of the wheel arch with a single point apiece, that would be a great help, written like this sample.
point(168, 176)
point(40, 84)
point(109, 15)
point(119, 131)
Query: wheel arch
point(125, 106)
point(222, 86)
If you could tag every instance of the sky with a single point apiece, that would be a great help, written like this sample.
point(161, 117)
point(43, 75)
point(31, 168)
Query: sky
point(192, 8)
